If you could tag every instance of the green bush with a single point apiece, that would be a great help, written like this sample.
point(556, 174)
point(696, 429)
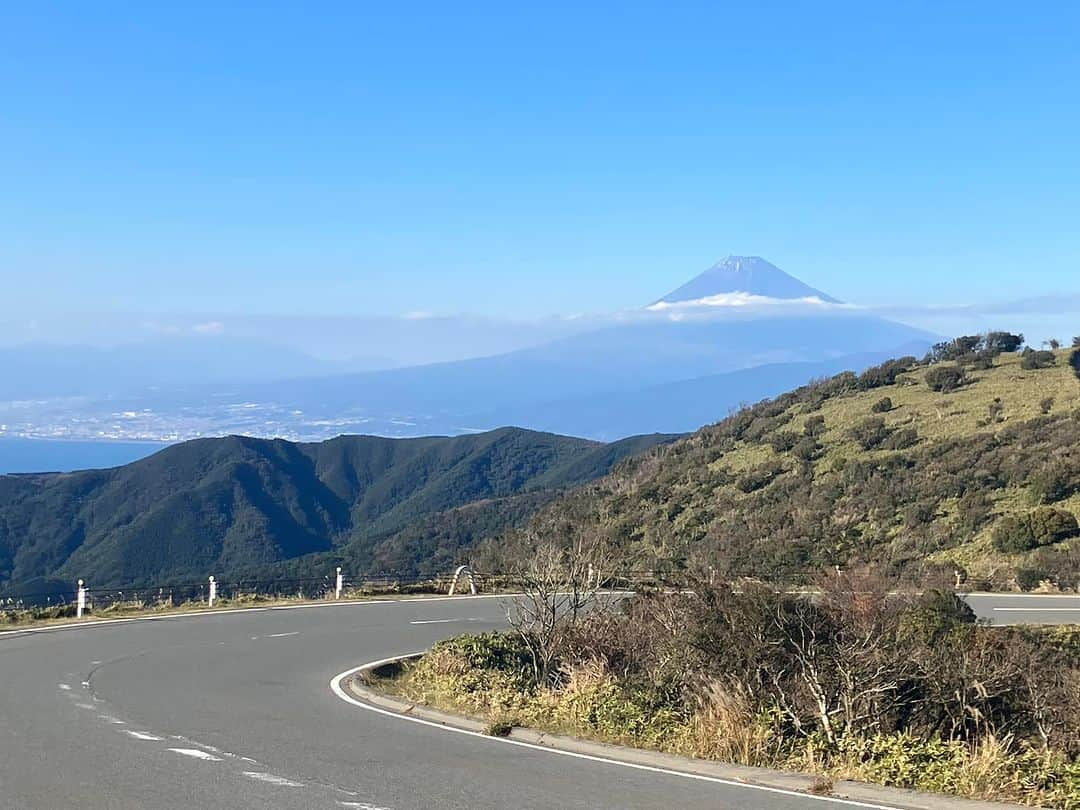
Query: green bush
point(1028, 579)
point(758, 478)
point(1054, 482)
point(870, 433)
point(806, 449)
point(902, 439)
point(1049, 525)
point(784, 440)
point(883, 405)
point(1014, 534)
point(945, 378)
point(1034, 360)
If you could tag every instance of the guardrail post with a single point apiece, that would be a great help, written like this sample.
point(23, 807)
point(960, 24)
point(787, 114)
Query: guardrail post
point(463, 569)
point(213, 591)
point(338, 584)
point(80, 600)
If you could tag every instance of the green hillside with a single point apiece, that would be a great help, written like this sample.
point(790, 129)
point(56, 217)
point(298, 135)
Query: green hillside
point(981, 475)
point(235, 504)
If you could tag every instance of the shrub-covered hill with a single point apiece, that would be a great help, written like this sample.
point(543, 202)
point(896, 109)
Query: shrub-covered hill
point(969, 460)
point(235, 504)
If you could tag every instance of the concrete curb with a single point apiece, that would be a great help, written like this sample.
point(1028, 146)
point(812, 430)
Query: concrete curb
point(358, 685)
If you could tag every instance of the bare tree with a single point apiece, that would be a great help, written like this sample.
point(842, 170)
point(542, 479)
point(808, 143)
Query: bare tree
point(560, 582)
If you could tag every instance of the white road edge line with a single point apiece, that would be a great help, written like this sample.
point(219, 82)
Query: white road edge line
point(1037, 609)
point(195, 753)
point(283, 635)
point(338, 689)
point(280, 781)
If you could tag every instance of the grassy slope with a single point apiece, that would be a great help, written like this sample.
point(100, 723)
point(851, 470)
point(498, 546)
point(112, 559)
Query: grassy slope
point(684, 502)
point(963, 412)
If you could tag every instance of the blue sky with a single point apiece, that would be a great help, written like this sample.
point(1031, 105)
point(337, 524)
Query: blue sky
point(325, 158)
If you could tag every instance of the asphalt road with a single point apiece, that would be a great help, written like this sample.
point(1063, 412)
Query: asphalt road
point(234, 710)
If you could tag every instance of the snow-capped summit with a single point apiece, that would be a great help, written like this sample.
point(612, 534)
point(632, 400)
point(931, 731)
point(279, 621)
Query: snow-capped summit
point(747, 276)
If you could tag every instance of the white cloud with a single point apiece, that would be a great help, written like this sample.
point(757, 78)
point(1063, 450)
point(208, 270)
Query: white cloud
point(741, 300)
point(202, 328)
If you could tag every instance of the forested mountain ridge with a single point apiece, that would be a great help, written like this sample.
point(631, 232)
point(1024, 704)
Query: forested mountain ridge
point(966, 460)
point(237, 504)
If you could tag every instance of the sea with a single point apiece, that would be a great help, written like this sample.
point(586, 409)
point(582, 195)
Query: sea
point(59, 455)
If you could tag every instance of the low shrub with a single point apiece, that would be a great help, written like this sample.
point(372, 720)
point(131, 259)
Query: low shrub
point(1033, 360)
point(1014, 534)
point(883, 405)
point(945, 378)
point(870, 433)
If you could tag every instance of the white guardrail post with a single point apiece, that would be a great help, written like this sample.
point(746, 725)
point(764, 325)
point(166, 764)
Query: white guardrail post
point(213, 591)
point(463, 569)
point(338, 583)
point(80, 600)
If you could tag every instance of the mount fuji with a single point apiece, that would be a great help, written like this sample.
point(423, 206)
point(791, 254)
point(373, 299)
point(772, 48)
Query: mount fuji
point(749, 276)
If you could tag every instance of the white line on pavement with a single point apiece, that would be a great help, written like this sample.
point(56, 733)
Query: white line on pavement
point(283, 635)
point(444, 621)
point(280, 781)
point(339, 690)
point(142, 735)
point(194, 753)
point(1037, 609)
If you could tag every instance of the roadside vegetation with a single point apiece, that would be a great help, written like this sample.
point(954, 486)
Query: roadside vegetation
point(908, 691)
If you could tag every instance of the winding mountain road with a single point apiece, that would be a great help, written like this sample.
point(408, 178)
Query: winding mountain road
point(234, 709)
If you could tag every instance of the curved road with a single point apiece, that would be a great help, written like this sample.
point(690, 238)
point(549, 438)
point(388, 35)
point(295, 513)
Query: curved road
point(234, 710)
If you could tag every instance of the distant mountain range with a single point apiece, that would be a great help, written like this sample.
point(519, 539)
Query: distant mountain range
point(241, 505)
point(741, 330)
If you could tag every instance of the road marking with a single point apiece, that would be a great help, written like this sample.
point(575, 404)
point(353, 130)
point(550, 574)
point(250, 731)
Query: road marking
point(86, 706)
point(444, 621)
point(283, 635)
point(142, 735)
point(64, 687)
point(194, 753)
point(110, 719)
point(280, 781)
point(1037, 609)
point(361, 806)
point(339, 690)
